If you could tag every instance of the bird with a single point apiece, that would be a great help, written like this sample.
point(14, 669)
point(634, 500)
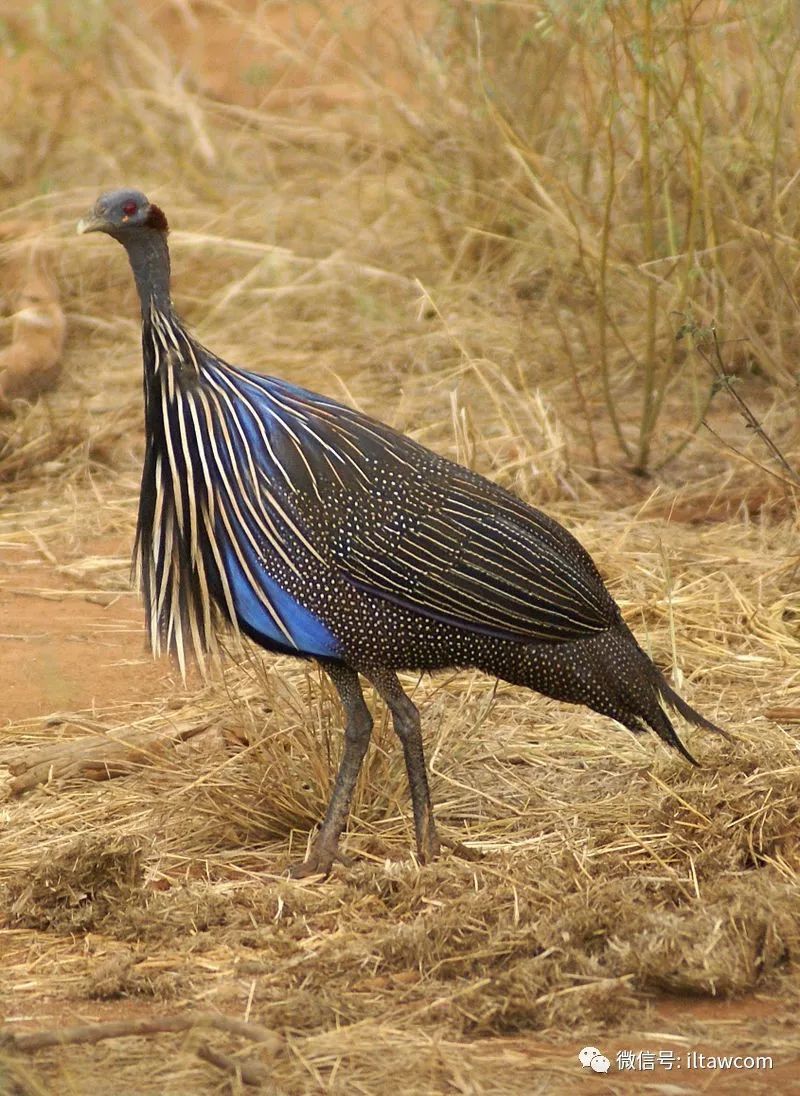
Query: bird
point(319, 532)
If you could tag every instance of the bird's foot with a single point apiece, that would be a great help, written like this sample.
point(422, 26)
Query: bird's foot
point(460, 850)
point(320, 861)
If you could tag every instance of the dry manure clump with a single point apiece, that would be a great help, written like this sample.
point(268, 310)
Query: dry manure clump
point(725, 945)
point(126, 974)
point(78, 888)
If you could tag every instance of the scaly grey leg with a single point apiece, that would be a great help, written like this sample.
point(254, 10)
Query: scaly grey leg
point(407, 727)
point(357, 731)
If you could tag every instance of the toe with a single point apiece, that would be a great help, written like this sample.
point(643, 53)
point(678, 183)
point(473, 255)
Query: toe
point(314, 865)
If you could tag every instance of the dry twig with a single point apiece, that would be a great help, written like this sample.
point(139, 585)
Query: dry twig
point(248, 1071)
point(96, 757)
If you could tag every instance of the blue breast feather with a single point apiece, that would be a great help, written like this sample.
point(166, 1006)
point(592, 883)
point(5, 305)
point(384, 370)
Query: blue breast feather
point(308, 634)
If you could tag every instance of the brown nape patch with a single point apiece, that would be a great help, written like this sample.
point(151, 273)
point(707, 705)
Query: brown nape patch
point(157, 219)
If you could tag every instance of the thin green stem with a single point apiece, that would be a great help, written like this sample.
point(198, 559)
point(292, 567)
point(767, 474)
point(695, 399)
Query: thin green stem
point(649, 409)
point(605, 238)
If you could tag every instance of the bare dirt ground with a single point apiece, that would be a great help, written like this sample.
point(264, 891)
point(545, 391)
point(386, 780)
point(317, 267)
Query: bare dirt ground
point(359, 205)
point(62, 651)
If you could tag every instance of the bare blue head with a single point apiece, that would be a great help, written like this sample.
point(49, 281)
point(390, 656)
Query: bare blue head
point(123, 213)
point(141, 228)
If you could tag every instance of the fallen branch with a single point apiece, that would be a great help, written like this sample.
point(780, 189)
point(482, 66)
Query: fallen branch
point(120, 1029)
point(249, 1071)
point(97, 757)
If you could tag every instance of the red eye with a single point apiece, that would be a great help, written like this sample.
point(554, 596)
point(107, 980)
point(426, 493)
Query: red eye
point(129, 209)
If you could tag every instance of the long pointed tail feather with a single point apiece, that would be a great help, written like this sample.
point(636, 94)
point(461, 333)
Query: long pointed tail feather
point(659, 721)
point(662, 725)
point(686, 710)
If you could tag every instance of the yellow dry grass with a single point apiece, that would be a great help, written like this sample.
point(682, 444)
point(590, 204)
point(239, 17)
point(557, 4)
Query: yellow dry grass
point(453, 217)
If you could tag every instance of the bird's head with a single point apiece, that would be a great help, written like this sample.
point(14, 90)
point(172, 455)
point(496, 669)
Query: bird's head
point(120, 212)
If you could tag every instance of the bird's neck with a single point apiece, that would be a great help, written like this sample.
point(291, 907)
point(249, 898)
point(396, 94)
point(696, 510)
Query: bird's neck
point(149, 258)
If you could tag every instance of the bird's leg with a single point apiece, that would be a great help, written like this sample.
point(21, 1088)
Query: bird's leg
point(407, 727)
point(357, 731)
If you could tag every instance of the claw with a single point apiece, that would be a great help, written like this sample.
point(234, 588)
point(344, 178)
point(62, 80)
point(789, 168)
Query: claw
point(461, 850)
point(313, 866)
point(319, 862)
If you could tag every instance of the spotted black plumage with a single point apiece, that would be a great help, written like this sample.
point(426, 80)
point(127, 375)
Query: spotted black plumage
point(322, 533)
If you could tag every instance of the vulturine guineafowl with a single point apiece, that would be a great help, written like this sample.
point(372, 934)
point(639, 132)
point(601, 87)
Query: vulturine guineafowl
point(321, 533)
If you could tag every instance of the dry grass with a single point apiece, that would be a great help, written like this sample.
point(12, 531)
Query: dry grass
point(465, 228)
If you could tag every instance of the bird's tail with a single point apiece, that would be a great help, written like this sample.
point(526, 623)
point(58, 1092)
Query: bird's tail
point(662, 725)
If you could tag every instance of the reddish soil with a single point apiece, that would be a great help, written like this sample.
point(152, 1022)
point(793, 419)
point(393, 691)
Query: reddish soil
point(67, 649)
